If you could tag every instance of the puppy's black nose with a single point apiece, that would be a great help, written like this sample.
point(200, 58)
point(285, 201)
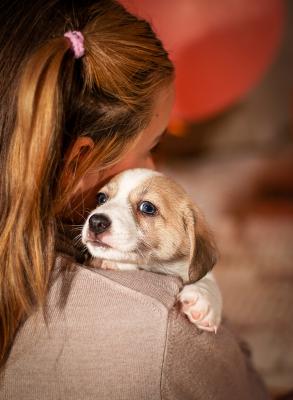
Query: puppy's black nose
point(99, 223)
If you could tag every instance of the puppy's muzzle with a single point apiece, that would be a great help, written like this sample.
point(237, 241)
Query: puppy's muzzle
point(99, 223)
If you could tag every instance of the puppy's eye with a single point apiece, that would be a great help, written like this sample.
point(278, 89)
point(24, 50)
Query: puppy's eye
point(146, 207)
point(101, 198)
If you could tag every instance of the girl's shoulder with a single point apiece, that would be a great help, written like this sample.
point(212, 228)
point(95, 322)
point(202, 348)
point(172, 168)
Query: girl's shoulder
point(118, 334)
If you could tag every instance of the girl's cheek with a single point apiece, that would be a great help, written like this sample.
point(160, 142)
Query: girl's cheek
point(129, 163)
point(139, 162)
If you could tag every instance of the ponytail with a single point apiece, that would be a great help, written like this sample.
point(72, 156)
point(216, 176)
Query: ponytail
point(48, 100)
point(27, 236)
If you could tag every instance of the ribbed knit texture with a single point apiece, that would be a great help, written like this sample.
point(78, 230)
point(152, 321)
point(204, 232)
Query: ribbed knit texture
point(117, 335)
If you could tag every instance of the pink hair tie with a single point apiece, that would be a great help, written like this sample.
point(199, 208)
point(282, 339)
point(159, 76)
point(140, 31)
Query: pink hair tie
point(77, 42)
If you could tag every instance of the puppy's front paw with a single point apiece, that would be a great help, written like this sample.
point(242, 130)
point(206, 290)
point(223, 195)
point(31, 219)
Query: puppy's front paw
point(202, 303)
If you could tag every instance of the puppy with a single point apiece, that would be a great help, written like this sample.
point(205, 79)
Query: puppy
point(144, 220)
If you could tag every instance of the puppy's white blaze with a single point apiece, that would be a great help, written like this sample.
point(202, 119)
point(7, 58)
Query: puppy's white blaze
point(131, 179)
point(123, 231)
point(128, 181)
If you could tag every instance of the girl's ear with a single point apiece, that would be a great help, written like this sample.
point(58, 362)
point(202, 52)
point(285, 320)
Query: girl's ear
point(81, 146)
point(203, 251)
point(74, 155)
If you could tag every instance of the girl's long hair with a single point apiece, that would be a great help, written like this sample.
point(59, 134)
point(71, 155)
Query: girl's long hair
point(48, 99)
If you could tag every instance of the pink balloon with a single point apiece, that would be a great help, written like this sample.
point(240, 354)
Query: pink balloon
point(220, 48)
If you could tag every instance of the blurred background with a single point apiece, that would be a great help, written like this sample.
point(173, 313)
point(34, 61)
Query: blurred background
point(231, 146)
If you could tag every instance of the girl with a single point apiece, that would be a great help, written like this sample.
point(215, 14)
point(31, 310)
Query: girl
point(86, 92)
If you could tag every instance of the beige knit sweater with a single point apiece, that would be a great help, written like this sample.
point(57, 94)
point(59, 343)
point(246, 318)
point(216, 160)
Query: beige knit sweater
point(109, 335)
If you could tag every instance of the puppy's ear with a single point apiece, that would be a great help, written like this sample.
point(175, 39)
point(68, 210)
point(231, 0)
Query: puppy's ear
point(203, 250)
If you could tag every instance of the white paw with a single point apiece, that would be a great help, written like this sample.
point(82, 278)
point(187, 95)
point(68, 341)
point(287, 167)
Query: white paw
point(202, 303)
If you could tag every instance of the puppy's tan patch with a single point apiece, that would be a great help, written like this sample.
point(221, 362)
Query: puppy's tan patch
point(177, 232)
point(163, 232)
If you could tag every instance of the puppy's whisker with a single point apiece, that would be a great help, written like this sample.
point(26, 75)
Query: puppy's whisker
point(79, 235)
point(77, 239)
point(140, 253)
point(84, 250)
point(148, 245)
point(76, 229)
point(144, 258)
